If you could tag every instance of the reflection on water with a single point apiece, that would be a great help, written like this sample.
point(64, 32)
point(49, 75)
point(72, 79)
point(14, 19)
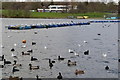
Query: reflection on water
point(54, 42)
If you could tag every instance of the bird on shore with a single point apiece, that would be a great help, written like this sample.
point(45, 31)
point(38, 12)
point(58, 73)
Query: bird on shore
point(59, 76)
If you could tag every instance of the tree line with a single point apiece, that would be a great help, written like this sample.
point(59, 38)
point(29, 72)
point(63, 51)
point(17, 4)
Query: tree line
point(82, 7)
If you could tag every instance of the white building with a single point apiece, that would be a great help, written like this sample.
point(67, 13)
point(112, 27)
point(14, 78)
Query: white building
point(55, 8)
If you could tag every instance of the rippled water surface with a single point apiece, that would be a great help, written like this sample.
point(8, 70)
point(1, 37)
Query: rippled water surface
point(57, 42)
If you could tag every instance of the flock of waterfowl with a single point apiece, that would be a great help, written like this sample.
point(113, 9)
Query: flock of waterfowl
point(51, 62)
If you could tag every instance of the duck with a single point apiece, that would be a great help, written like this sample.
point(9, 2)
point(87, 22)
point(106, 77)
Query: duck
point(118, 60)
point(70, 51)
point(25, 53)
point(76, 54)
point(104, 55)
point(30, 51)
point(85, 42)
point(79, 72)
point(71, 63)
point(33, 43)
point(59, 58)
point(50, 64)
point(33, 59)
point(86, 52)
point(37, 77)
point(2, 57)
point(35, 32)
point(15, 63)
point(59, 76)
point(51, 61)
point(1, 66)
point(98, 34)
point(107, 68)
point(12, 49)
point(13, 55)
point(6, 62)
point(14, 69)
point(33, 67)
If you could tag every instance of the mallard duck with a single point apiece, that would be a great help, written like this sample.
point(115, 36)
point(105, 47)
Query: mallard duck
point(25, 53)
point(33, 67)
point(59, 58)
point(79, 72)
point(71, 63)
point(59, 76)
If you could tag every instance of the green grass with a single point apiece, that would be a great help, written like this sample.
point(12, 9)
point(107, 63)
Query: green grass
point(12, 13)
point(65, 15)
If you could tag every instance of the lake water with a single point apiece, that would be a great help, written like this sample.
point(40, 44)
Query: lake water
point(58, 41)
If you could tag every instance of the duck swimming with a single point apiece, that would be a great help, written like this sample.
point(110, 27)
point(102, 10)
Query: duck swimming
point(70, 51)
point(2, 57)
point(86, 52)
point(30, 51)
point(6, 62)
point(25, 53)
point(33, 59)
point(15, 64)
point(59, 76)
point(14, 69)
point(59, 58)
point(37, 77)
point(71, 63)
point(50, 64)
point(33, 43)
point(79, 72)
point(33, 67)
point(107, 68)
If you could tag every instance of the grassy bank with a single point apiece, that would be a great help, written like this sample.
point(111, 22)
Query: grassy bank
point(21, 13)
